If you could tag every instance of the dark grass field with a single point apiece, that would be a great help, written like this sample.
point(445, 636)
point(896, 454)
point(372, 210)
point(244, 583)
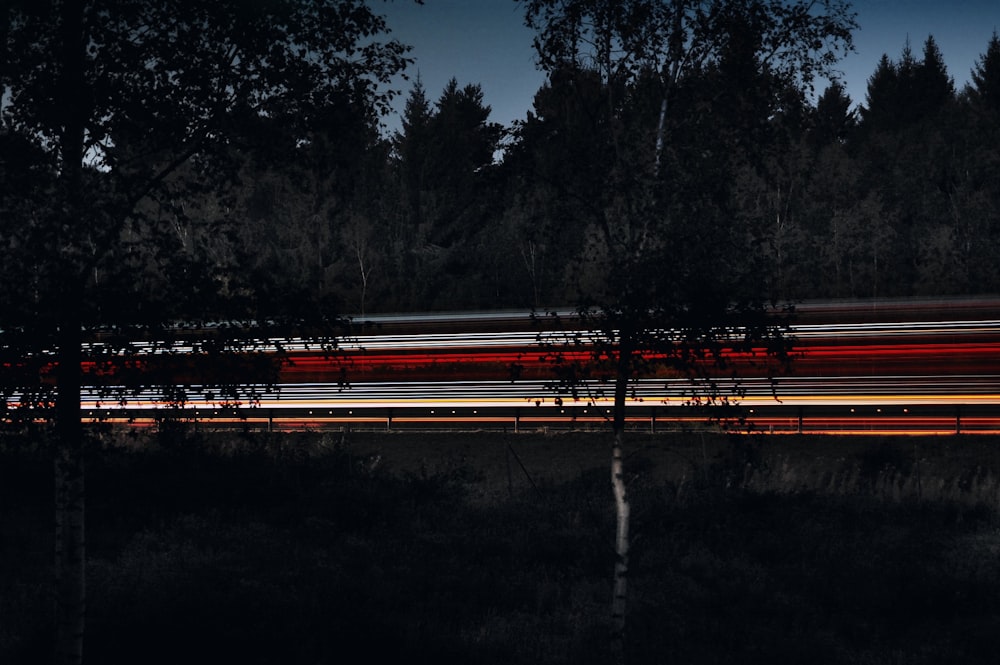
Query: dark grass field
point(490, 548)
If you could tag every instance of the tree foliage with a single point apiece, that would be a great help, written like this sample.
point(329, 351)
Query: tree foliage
point(908, 91)
point(446, 172)
point(689, 96)
point(984, 88)
point(165, 99)
point(129, 121)
point(785, 170)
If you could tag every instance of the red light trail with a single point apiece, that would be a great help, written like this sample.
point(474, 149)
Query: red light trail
point(908, 368)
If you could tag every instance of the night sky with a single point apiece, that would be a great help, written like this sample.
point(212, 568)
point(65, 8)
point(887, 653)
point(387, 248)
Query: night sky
point(485, 42)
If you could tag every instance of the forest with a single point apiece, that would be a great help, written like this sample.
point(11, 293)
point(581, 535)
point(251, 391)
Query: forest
point(819, 195)
point(897, 196)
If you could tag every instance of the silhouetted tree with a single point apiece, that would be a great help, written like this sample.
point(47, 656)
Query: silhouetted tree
point(908, 91)
point(662, 286)
point(133, 103)
point(974, 211)
point(984, 88)
point(882, 105)
point(460, 147)
point(411, 145)
point(559, 165)
point(445, 164)
point(834, 119)
point(906, 151)
point(935, 89)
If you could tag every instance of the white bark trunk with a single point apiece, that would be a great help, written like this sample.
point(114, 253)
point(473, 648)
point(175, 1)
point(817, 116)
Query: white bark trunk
point(622, 514)
point(619, 596)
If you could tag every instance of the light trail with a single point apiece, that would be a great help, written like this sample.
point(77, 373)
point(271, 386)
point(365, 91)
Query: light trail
point(894, 369)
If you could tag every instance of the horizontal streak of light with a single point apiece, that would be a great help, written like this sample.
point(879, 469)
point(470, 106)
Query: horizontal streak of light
point(529, 402)
point(506, 355)
point(519, 338)
point(536, 338)
point(828, 427)
point(856, 385)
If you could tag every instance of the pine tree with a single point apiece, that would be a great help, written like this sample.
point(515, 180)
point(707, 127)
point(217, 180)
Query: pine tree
point(461, 143)
point(909, 91)
point(411, 148)
point(881, 109)
point(984, 90)
point(934, 89)
point(834, 120)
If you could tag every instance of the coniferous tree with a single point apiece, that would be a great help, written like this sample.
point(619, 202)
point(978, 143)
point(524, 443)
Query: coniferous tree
point(461, 143)
point(906, 150)
point(908, 91)
point(882, 106)
point(559, 159)
point(834, 120)
point(984, 87)
point(445, 163)
point(908, 101)
point(935, 89)
point(974, 214)
point(411, 145)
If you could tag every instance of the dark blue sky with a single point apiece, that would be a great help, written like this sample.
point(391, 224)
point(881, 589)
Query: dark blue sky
point(485, 42)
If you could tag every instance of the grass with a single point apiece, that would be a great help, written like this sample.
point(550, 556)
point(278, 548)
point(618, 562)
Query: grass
point(485, 548)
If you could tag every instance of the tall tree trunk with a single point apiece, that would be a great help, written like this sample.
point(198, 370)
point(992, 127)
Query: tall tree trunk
point(622, 508)
point(622, 513)
point(70, 550)
point(70, 546)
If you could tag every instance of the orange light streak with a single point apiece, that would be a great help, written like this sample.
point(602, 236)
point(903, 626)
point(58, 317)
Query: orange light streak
point(876, 370)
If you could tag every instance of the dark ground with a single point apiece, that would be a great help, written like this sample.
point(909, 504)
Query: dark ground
point(491, 548)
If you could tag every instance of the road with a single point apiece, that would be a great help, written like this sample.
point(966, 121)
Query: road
point(897, 367)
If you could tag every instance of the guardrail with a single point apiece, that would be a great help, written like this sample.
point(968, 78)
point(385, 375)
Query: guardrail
point(917, 419)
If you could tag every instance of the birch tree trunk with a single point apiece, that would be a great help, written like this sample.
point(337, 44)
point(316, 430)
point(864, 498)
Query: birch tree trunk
point(619, 596)
point(622, 514)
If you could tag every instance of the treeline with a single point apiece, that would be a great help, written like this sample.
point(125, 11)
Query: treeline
point(898, 196)
point(824, 198)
